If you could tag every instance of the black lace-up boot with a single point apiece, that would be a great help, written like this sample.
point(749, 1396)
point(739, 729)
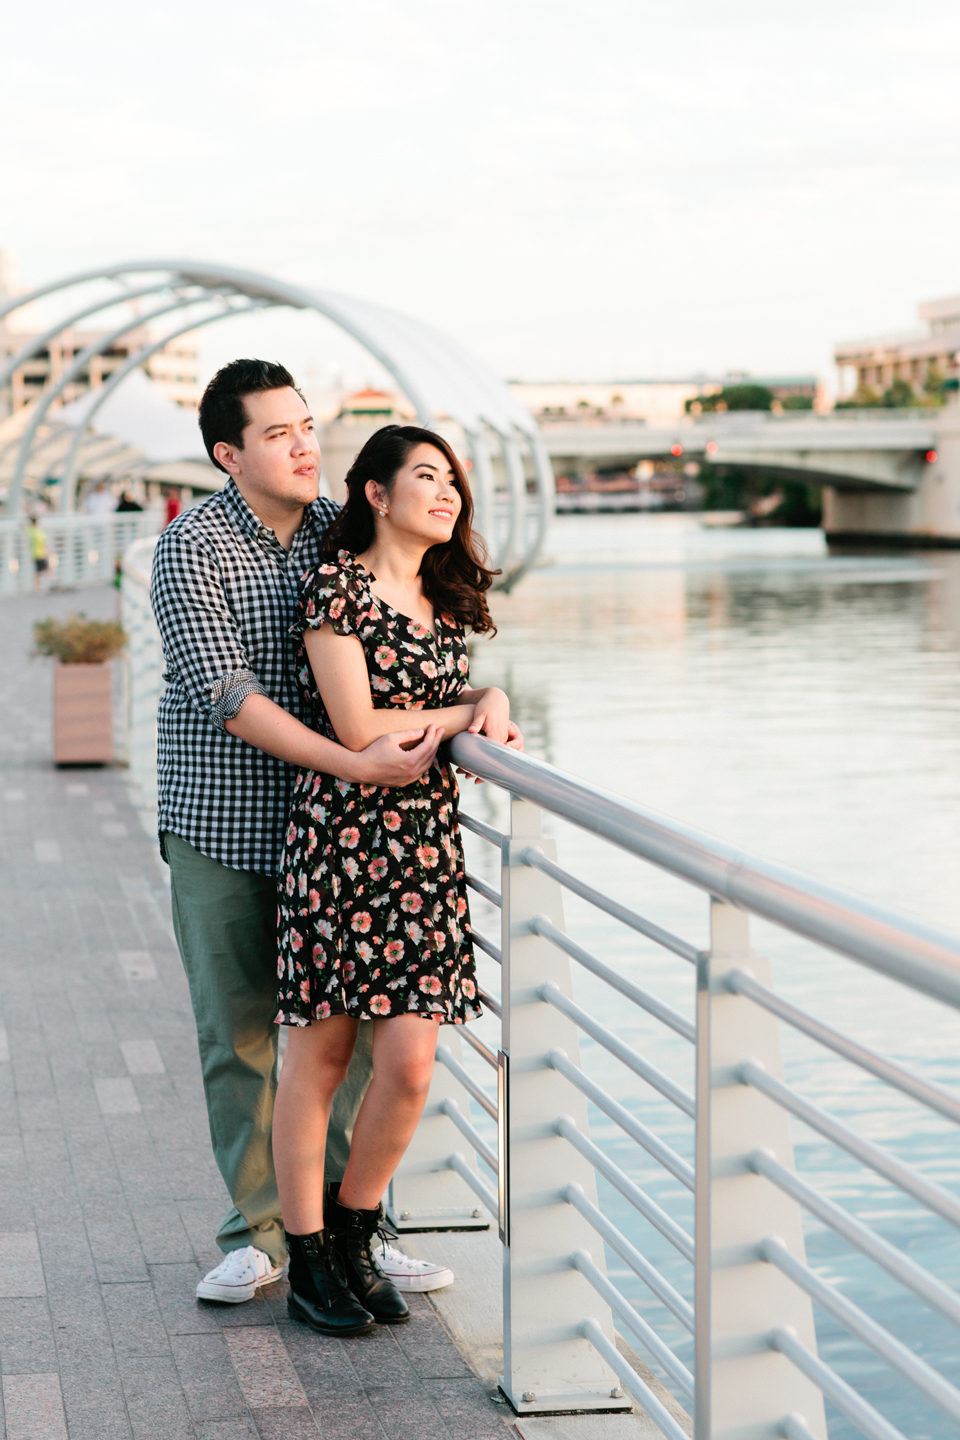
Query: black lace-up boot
point(351, 1233)
point(319, 1293)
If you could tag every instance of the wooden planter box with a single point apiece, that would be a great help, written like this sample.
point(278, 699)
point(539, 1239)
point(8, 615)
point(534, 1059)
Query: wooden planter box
point(82, 714)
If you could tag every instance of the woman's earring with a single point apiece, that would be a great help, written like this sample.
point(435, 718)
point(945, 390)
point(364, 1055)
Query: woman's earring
point(383, 512)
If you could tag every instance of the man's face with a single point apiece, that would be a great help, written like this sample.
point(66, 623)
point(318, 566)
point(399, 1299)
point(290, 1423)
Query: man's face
point(280, 459)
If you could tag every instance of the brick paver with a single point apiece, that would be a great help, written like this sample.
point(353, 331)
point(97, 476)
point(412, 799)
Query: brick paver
point(109, 1197)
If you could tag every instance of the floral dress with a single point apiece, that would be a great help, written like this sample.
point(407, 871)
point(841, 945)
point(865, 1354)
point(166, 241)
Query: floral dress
point(373, 904)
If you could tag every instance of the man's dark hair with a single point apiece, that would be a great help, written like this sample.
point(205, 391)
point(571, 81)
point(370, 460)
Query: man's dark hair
point(222, 413)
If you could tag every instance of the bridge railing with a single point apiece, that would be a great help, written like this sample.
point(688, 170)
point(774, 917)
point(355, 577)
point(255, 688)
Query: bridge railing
point(738, 1346)
point(748, 1305)
point(82, 549)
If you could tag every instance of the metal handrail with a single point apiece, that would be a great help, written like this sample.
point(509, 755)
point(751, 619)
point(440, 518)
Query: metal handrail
point(648, 1337)
point(846, 1399)
point(923, 957)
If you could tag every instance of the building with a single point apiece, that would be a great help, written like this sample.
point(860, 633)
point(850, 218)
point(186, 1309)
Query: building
point(921, 358)
point(656, 402)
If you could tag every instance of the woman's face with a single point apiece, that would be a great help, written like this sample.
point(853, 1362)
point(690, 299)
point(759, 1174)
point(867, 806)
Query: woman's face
point(423, 501)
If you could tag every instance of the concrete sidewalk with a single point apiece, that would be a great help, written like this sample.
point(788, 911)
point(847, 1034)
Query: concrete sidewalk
point(109, 1199)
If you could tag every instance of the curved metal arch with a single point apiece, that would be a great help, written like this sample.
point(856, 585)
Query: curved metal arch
point(437, 375)
point(104, 391)
point(72, 371)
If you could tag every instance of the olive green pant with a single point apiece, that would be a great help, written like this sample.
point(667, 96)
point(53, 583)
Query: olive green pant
point(225, 922)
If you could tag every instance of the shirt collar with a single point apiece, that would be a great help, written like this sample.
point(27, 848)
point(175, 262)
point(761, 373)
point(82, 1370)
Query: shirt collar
point(245, 520)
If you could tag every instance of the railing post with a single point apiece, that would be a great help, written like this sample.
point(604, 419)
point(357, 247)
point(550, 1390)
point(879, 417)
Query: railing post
point(548, 1364)
point(743, 1387)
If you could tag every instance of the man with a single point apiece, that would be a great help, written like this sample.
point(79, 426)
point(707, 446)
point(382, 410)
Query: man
point(231, 734)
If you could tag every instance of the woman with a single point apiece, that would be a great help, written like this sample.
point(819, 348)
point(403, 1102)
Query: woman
point(373, 908)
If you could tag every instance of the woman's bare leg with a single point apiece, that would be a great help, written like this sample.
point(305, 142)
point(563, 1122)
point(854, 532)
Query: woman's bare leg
point(315, 1063)
point(403, 1054)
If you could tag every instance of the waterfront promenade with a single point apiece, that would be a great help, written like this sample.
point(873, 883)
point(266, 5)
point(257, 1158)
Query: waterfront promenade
point(109, 1198)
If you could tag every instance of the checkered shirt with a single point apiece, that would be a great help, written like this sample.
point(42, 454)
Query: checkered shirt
point(224, 592)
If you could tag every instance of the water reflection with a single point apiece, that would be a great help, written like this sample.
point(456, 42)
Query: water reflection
point(803, 706)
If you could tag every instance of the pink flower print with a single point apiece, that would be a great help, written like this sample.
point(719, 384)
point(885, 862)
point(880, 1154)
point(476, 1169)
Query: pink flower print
point(413, 930)
point(361, 922)
point(377, 867)
point(468, 988)
point(429, 669)
point(288, 884)
point(391, 820)
point(380, 1004)
point(296, 939)
point(337, 607)
point(463, 664)
point(291, 834)
point(377, 682)
point(351, 868)
point(428, 855)
point(411, 902)
point(311, 842)
point(461, 908)
point(430, 985)
point(418, 631)
point(305, 991)
point(394, 950)
point(385, 657)
point(318, 954)
point(325, 929)
point(349, 969)
point(302, 883)
point(350, 837)
point(365, 952)
point(395, 848)
point(314, 898)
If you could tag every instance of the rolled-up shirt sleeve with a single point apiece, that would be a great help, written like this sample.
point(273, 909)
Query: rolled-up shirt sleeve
point(202, 644)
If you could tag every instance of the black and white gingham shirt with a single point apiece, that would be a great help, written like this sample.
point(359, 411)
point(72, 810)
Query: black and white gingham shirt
point(224, 592)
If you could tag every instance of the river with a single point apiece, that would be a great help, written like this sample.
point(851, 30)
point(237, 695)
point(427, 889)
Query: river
point(805, 706)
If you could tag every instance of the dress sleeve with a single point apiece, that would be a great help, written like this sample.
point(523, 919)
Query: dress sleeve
point(332, 594)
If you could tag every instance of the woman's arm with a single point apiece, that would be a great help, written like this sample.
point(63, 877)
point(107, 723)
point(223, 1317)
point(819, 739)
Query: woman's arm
point(340, 670)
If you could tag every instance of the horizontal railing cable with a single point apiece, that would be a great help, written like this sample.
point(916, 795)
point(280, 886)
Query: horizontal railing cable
point(583, 1261)
point(929, 1095)
point(530, 855)
point(491, 1001)
point(869, 1421)
point(479, 827)
point(482, 888)
point(653, 1076)
point(451, 1109)
point(486, 945)
point(540, 925)
point(632, 1382)
point(633, 1127)
point(457, 1162)
point(923, 957)
point(631, 1257)
point(628, 1188)
point(478, 1045)
point(447, 1058)
point(924, 1285)
point(919, 1374)
point(928, 1194)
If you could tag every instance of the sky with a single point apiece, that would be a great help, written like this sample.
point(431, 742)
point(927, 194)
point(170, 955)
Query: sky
point(576, 189)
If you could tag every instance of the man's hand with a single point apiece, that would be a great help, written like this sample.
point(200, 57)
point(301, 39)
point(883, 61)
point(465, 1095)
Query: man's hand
point(388, 762)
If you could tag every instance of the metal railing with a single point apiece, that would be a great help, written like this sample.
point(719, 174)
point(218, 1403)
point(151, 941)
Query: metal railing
point(755, 1367)
point(82, 549)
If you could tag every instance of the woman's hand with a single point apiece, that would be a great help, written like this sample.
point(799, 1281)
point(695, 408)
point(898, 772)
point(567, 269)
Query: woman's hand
point(491, 716)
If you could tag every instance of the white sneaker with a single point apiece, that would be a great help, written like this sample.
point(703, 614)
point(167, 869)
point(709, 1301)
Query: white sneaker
point(409, 1274)
point(238, 1276)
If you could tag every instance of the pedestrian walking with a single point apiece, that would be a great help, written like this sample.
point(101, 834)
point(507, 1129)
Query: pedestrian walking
point(232, 732)
point(39, 553)
point(374, 919)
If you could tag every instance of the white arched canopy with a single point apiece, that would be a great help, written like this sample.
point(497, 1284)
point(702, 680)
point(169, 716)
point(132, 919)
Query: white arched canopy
point(511, 475)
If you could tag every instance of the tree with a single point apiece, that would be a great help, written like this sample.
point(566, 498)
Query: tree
point(863, 398)
point(733, 397)
point(798, 402)
point(899, 395)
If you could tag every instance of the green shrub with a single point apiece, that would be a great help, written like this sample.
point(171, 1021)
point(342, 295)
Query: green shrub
point(79, 641)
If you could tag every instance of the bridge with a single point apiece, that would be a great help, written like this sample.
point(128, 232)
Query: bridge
point(891, 474)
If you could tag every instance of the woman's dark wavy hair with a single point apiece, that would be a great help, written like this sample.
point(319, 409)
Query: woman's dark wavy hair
point(455, 575)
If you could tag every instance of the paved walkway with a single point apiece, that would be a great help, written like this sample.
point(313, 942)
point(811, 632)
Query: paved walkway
point(108, 1196)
